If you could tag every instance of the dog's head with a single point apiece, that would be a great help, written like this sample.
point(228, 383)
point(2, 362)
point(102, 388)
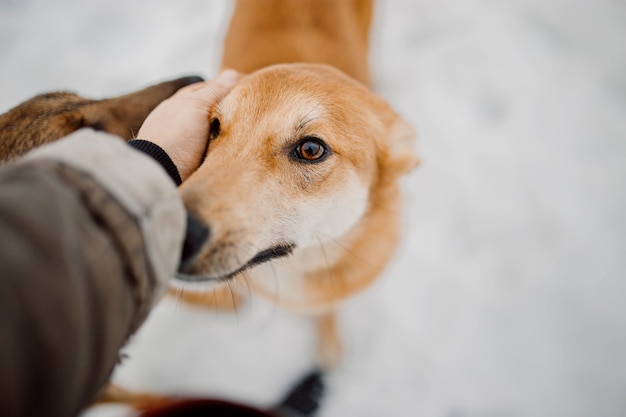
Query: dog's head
point(51, 116)
point(295, 152)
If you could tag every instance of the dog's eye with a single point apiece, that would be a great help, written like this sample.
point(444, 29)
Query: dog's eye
point(311, 150)
point(214, 129)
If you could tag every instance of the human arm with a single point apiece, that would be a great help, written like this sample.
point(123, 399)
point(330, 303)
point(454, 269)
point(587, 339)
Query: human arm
point(90, 232)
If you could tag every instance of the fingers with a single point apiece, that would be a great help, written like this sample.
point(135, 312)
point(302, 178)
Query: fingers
point(180, 125)
point(211, 91)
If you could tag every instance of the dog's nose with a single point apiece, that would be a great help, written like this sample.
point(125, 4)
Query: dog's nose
point(196, 235)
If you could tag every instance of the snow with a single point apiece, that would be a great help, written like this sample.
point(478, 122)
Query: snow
point(507, 296)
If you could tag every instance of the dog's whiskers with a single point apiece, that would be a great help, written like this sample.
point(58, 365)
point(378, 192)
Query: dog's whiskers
point(276, 282)
point(272, 266)
point(328, 271)
point(215, 300)
point(234, 300)
point(245, 276)
point(179, 299)
point(311, 116)
point(350, 252)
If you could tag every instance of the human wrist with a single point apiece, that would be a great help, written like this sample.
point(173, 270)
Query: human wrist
point(159, 155)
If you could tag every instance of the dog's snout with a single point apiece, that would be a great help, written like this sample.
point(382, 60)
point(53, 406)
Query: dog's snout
point(196, 235)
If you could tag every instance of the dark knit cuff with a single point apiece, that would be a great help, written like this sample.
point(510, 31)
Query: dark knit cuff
point(158, 154)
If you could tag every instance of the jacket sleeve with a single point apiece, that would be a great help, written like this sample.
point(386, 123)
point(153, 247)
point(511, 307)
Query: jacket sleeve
point(90, 232)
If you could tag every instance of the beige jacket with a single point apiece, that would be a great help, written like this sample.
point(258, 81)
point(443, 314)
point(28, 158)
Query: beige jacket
point(90, 232)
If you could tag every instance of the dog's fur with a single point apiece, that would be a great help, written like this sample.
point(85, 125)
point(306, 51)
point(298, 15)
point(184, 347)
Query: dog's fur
point(51, 116)
point(336, 217)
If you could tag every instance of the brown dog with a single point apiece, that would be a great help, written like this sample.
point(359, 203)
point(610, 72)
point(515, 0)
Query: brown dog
point(302, 166)
point(51, 116)
point(303, 161)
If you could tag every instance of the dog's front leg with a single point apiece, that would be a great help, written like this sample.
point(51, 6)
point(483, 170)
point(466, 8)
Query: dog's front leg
point(329, 348)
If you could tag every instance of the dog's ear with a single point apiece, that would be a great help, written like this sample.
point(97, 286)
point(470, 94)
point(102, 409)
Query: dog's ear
point(397, 142)
point(402, 139)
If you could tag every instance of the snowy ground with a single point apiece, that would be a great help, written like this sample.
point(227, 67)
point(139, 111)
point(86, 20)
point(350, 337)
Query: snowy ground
point(508, 297)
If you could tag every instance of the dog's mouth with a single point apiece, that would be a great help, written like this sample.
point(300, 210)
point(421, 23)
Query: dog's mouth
point(274, 252)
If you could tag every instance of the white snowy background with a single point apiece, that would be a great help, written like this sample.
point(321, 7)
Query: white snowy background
point(508, 296)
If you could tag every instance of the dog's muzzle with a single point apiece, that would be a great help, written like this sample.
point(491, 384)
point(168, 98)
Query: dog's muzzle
point(197, 236)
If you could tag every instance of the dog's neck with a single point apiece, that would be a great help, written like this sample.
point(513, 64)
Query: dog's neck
point(268, 32)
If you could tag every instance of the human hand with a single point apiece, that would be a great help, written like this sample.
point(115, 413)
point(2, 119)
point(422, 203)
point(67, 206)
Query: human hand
point(180, 124)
